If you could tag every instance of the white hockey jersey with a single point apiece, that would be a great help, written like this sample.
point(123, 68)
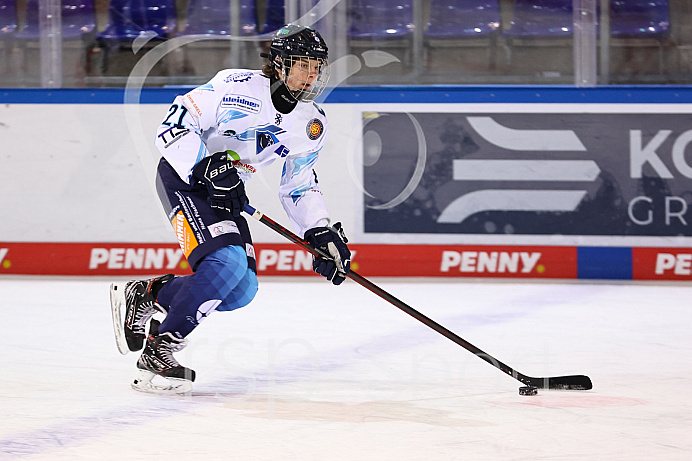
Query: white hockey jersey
point(234, 113)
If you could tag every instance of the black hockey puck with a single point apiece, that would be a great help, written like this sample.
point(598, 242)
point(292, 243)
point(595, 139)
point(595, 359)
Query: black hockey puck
point(528, 390)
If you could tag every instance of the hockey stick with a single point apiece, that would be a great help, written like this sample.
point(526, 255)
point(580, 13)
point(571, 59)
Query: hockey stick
point(572, 382)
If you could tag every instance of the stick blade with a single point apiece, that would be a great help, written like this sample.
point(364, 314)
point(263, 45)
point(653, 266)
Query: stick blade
point(572, 382)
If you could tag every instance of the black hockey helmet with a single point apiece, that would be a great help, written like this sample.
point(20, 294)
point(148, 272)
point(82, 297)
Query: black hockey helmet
point(293, 42)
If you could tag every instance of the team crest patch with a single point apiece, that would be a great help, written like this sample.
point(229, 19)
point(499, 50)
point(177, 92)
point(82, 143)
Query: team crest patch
point(314, 129)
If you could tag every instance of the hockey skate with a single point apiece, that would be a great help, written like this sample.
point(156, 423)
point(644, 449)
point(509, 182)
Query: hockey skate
point(157, 363)
point(132, 305)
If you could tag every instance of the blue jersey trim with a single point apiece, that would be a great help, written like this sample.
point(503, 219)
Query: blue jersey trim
point(382, 94)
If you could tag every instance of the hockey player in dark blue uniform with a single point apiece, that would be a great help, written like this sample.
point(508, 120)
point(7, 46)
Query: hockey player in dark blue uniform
point(212, 140)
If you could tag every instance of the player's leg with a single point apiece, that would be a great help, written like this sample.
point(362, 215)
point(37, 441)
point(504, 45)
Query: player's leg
point(157, 360)
point(133, 303)
point(242, 294)
point(221, 279)
point(219, 250)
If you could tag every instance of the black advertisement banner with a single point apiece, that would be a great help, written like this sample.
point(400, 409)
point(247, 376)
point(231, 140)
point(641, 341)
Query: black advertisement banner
point(528, 173)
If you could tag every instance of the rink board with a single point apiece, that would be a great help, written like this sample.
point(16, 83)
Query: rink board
point(449, 261)
point(623, 152)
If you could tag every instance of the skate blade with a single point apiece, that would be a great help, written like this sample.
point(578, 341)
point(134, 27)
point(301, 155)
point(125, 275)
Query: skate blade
point(117, 306)
point(143, 382)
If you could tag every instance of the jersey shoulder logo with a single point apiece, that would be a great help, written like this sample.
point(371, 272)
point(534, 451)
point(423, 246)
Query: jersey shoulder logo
point(238, 77)
point(314, 129)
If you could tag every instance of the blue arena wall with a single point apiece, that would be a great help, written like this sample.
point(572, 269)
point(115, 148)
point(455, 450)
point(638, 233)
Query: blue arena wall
point(380, 94)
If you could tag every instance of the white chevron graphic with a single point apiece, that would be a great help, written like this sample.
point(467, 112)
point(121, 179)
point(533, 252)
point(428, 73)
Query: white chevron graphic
point(510, 200)
point(525, 170)
point(520, 170)
point(525, 140)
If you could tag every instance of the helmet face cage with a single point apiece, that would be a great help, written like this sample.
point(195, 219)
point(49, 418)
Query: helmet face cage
point(305, 77)
point(299, 54)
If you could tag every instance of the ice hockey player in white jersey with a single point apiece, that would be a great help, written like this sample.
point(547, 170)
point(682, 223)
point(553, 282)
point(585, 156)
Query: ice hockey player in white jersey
point(212, 140)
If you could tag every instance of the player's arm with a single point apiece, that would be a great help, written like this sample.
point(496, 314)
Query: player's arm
point(304, 204)
point(179, 137)
point(300, 193)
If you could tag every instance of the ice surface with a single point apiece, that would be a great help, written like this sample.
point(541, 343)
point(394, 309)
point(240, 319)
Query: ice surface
point(310, 371)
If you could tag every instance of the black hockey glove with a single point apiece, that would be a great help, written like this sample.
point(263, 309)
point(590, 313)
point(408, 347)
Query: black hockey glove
point(226, 190)
point(331, 241)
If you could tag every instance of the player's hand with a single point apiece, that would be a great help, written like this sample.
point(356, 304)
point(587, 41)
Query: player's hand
point(226, 189)
point(331, 241)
